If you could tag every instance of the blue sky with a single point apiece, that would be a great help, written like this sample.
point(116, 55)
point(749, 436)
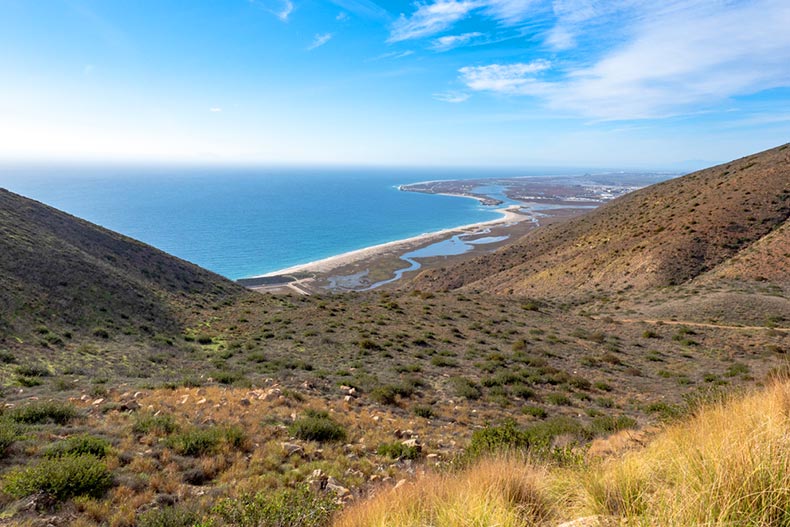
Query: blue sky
point(629, 83)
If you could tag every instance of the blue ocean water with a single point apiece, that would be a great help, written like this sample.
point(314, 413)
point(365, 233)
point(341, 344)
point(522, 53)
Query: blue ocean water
point(245, 222)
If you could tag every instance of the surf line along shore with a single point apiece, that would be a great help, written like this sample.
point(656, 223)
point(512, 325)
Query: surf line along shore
point(303, 278)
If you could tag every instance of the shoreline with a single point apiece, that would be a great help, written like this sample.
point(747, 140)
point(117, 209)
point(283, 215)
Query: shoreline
point(509, 216)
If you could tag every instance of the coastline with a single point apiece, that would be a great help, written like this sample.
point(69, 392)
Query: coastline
point(324, 265)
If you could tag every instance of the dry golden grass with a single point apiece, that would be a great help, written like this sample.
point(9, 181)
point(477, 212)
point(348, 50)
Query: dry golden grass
point(502, 492)
point(729, 464)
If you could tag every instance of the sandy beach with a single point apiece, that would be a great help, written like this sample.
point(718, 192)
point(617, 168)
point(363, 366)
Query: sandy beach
point(509, 216)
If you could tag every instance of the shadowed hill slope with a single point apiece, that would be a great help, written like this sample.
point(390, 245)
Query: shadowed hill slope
point(665, 234)
point(59, 270)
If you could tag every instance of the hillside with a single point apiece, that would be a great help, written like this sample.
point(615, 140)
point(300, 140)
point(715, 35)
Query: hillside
point(666, 234)
point(139, 390)
point(60, 272)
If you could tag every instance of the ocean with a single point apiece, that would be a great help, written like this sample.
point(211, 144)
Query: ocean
point(242, 222)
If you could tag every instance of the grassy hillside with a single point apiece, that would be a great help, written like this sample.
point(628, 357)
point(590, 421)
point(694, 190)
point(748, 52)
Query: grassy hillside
point(666, 234)
point(727, 464)
point(64, 275)
point(140, 390)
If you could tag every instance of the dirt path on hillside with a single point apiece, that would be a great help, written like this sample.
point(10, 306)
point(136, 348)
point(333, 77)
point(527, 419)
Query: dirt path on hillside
point(695, 324)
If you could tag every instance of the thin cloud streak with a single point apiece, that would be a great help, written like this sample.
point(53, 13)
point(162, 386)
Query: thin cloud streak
point(282, 9)
point(430, 19)
point(452, 97)
point(449, 42)
point(319, 40)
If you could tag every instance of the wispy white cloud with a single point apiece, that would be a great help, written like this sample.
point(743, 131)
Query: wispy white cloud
point(430, 19)
point(452, 96)
point(453, 41)
point(342, 16)
point(514, 79)
point(511, 11)
point(215, 109)
point(319, 40)
point(394, 55)
point(282, 9)
point(363, 8)
point(678, 59)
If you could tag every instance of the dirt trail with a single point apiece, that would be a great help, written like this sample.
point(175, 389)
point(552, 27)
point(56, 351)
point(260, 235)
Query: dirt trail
point(696, 324)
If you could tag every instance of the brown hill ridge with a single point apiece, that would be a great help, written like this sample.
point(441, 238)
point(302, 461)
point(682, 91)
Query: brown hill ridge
point(59, 270)
point(665, 234)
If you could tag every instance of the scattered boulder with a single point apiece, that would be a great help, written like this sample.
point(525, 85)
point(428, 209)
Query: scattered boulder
point(292, 448)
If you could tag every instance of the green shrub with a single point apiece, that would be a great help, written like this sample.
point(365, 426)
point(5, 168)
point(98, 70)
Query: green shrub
point(317, 426)
point(398, 450)
point(33, 370)
point(196, 442)
point(299, 507)
point(737, 368)
point(558, 399)
point(542, 434)
point(534, 411)
point(496, 438)
point(79, 445)
point(9, 433)
point(388, 394)
point(43, 412)
point(168, 517)
point(465, 388)
point(443, 362)
point(236, 437)
point(6, 357)
point(61, 478)
point(605, 424)
point(227, 377)
point(162, 424)
point(422, 410)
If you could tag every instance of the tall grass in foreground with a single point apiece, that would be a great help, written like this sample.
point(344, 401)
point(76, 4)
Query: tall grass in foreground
point(493, 492)
point(726, 465)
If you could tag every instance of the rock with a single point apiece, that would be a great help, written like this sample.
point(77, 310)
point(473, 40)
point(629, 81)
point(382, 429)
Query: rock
point(245, 402)
point(137, 394)
point(348, 398)
point(412, 443)
point(271, 393)
point(317, 480)
point(38, 502)
point(400, 483)
point(333, 486)
point(129, 406)
point(97, 402)
point(292, 448)
point(348, 391)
